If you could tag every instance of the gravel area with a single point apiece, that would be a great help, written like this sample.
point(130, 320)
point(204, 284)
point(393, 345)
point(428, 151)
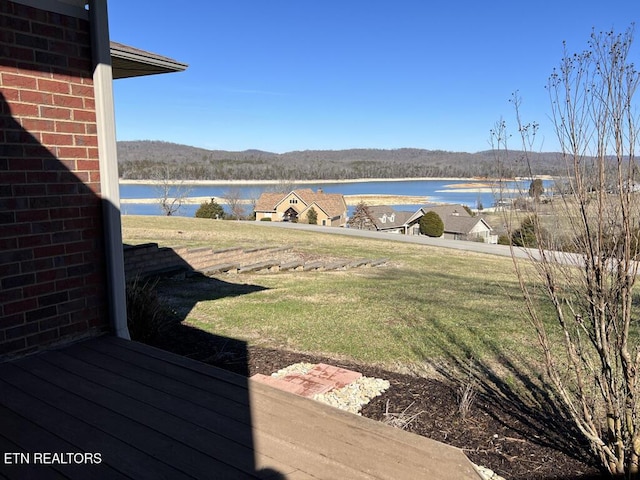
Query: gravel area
point(351, 398)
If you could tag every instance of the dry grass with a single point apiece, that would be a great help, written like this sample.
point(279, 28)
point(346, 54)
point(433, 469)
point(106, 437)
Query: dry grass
point(401, 420)
point(428, 305)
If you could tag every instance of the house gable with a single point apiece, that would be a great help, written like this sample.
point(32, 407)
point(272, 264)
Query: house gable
point(481, 226)
point(293, 200)
point(323, 218)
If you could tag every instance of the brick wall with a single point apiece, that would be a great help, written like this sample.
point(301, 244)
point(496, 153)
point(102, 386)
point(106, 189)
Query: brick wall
point(52, 275)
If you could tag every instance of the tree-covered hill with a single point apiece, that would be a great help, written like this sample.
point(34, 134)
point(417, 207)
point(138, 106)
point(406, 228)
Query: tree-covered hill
point(143, 159)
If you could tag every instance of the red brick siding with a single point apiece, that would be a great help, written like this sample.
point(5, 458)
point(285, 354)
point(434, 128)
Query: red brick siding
point(52, 275)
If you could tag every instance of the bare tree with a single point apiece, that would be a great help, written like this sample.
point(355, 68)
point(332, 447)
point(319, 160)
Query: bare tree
point(233, 199)
point(171, 193)
point(254, 195)
point(362, 218)
point(591, 292)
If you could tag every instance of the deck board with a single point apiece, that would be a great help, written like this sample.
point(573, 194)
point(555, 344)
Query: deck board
point(163, 434)
point(39, 405)
point(236, 411)
point(198, 428)
point(338, 438)
point(201, 395)
point(152, 414)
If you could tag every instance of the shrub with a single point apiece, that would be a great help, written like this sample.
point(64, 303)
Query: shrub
point(526, 235)
point(210, 210)
point(146, 316)
point(312, 216)
point(504, 239)
point(536, 189)
point(265, 219)
point(431, 225)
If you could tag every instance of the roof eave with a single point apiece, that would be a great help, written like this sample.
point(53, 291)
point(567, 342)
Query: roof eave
point(130, 62)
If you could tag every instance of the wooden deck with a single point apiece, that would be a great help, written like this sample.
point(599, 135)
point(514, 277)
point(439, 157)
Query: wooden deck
point(149, 414)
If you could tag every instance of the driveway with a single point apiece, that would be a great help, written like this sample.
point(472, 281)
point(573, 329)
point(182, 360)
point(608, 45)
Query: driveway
point(502, 250)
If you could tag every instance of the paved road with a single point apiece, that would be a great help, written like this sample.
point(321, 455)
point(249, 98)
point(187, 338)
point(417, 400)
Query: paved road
point(502, 250)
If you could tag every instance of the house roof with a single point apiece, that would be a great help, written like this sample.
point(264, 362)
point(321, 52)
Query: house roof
point(385, 217)
point(127, 61)
point(332, 204)
point(443, 211)
point(268, 201)
point(449, 210)
point(462, 225)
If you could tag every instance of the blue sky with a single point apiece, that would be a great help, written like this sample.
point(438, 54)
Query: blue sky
point(285, 75)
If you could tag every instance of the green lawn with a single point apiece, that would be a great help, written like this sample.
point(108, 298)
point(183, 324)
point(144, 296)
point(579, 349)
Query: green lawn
point(428, 306)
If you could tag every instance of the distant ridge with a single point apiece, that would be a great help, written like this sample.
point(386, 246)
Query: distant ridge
point(147, 159)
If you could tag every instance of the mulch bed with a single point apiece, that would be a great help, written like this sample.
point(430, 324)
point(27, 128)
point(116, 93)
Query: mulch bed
point(516, 443)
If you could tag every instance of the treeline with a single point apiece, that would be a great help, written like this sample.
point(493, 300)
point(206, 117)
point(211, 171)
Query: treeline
point(145, 159)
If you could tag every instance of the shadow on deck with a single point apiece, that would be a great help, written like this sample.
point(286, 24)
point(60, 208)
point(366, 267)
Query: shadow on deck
point(147, 413)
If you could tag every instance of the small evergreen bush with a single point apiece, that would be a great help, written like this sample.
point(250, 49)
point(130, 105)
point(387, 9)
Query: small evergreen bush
point(525, 236)
point(528, 235)
point(210, 210)
point(504, 239)
point(431, 225)
point(312, 216)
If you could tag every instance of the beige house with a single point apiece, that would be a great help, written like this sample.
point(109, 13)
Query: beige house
point(330, 208)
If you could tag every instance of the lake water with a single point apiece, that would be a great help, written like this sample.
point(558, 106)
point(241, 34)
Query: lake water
point(461, 191)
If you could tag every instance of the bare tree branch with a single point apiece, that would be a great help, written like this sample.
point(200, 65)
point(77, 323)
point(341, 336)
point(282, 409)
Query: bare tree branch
point(171, 192)
point(586, 269)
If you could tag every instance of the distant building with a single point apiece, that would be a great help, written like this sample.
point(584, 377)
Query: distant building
point(386, 219)
point(330, 208)
point(459, 224)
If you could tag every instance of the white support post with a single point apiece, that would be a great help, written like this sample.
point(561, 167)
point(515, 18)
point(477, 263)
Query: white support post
point(105, 116)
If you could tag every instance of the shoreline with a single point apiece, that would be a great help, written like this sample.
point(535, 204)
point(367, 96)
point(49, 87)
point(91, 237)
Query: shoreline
point(298, 182)
point(470, 180)
point(351, 200)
